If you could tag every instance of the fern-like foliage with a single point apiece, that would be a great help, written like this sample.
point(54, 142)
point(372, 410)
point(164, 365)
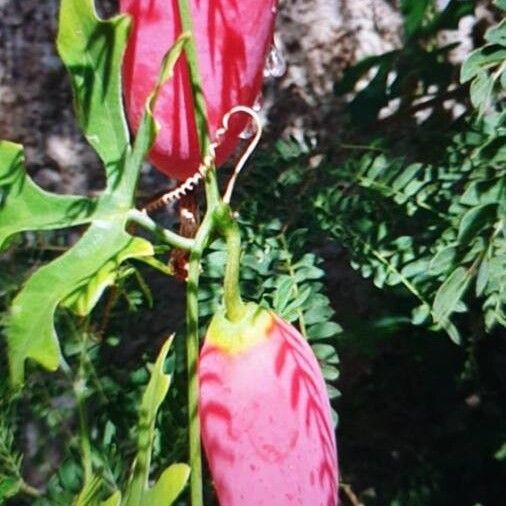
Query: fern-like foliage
point(10, 462)
point(458, 242)
point(437, 230)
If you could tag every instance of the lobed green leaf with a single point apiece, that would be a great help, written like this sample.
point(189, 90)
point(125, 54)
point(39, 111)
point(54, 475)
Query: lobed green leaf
point(92, 50)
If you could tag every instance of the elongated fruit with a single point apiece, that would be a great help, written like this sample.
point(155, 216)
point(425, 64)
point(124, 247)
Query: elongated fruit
point(265, 415)
point(232, 39)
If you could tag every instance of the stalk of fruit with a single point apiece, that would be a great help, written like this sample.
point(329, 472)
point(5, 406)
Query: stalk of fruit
point(232, 40)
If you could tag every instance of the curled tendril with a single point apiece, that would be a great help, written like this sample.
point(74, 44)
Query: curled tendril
point(208, 162)
point(249, 150)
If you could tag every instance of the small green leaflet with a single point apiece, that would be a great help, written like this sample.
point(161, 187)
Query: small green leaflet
point(485, 68)
point(448, 297)
point(414, 12)
point(168, 487)
point(8, 487)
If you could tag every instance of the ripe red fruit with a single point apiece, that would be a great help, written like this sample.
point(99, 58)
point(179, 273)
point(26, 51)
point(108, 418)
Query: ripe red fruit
point(266, 424)
point(232, 39)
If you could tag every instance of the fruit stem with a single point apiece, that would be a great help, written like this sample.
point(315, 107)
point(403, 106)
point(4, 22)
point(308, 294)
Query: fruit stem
point(234, 306)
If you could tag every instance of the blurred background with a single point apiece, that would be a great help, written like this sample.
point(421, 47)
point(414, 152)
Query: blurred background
point(378, 191)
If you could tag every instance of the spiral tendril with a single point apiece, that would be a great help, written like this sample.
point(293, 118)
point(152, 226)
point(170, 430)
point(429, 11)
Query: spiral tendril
point(189, 184)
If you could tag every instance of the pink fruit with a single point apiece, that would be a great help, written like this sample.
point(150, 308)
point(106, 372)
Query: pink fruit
point(266, 424)
point(232, 39)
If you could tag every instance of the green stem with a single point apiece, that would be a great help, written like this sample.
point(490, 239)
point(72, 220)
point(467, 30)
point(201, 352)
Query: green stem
point(201, 240)
point(28, 490)
point(193, 342)
point(291, 272)
point(176, 240)
point(200, 109)
point(228, 227)
point(84, 440)
point(213, 197)
point(79, 391)
point(192, 353)
point(78, 386)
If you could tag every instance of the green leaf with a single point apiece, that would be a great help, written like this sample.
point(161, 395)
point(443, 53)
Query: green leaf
point(474, 220)
point(420, 314)
point(283, 294)
point(500, 454)
point(69, 474)
point(299, 300)
point(31, 332)
point(114, 500)
point(482, 278)
point(92, 50)
point(449, 18)
point(82, 300)
point(173, 479)
point(168, 487)
point(25, 206)
point(9, 487)
point(481, 91)
point(330, 373)
point(324, 330)
point(90, 492)
point(484, 192)
point(479, 60)
point(167, 68)
point(79, 276)
point(326, 353)
point(414, 14)
point(449, 295)
point(497, 34)
point(485, 67)
point(332, 391)
point(317, 313)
